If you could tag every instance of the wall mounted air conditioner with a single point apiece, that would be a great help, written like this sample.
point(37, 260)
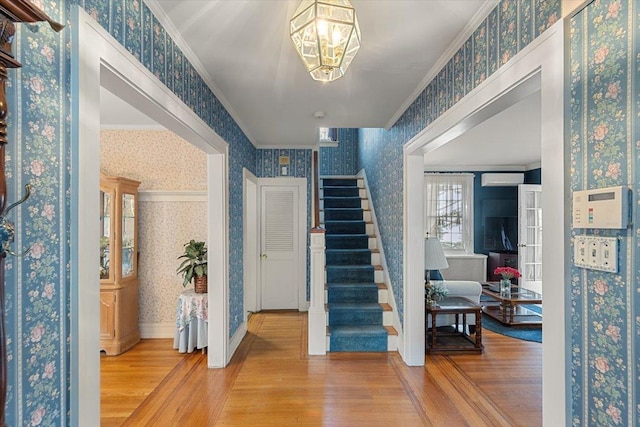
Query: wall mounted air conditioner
point(502, 179)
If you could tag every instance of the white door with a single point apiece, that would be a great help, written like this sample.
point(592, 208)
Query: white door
point(279, 229)
point(530, 236)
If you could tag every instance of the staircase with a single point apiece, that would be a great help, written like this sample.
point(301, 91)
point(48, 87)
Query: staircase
point(359, 317)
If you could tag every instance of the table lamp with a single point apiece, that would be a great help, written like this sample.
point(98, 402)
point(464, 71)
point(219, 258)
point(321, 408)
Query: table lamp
point(434, 258)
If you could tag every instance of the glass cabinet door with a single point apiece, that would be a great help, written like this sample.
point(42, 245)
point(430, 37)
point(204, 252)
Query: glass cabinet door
point(128, 234)
point(105, 236)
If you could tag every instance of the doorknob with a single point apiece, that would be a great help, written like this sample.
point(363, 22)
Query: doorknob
point(263, 256)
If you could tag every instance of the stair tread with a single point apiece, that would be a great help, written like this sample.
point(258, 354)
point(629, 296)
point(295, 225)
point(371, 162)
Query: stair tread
point(354, 284)
point(349, 250)
point(356, 329)
point(352, 266)
point(391, 330)
point(355, 306)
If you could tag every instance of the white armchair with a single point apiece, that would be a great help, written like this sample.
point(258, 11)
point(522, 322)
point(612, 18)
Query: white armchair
point(460, 288)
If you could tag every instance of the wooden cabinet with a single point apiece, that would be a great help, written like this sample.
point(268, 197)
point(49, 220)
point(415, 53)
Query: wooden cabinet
point(119, 330)
point(500, 259)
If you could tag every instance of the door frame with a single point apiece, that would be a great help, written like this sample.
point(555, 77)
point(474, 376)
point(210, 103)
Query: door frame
point(521, 246)
point(301, 183)
point(97, 60)
point(251, 241)
point(544, 60)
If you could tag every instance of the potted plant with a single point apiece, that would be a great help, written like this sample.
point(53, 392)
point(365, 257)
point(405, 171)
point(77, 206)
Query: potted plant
point(194, 265)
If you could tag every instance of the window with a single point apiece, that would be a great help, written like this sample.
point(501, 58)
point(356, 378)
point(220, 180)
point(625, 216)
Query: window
point(328, 137)
point(449, 210)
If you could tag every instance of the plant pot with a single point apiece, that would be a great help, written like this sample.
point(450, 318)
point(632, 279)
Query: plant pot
point(200, 284)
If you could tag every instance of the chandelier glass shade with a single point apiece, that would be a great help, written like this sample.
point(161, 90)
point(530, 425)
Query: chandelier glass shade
point(327, 37)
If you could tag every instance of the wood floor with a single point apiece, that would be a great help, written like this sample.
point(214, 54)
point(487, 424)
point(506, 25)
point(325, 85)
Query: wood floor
point(271, 381)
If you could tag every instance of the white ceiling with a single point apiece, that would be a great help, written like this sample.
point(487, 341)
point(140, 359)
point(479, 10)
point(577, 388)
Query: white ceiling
point(243, 51)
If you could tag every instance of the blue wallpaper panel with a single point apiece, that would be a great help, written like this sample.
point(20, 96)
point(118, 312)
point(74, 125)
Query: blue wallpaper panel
point(604, 152)
point(37, 285)
point(343, 159)
point(300, 165)
point(380, 151)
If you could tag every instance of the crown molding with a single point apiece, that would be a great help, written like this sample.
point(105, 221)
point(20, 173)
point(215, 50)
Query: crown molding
point(173, 32)
point(457, 43)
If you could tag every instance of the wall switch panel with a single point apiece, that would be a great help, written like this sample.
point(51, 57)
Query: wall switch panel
point(596, 253)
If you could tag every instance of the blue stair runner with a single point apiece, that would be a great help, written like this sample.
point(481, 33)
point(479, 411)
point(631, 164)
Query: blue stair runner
point(355, 317)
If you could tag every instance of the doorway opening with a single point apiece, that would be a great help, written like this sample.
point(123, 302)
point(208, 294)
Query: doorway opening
point(542, 60)
point(100, 61)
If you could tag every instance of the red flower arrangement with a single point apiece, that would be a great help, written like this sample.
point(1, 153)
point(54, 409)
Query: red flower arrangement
point(507, 272)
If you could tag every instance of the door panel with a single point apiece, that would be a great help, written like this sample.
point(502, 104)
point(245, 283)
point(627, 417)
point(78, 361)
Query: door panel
point(279, 247)
point(530, 236)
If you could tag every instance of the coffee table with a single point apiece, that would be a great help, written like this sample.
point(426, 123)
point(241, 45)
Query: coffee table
point(456, 338)
point(509, 308)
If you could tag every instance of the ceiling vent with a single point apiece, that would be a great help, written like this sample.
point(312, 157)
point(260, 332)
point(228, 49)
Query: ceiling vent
point(502, 179)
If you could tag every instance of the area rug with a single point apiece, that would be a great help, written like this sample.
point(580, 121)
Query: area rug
point(521, 332)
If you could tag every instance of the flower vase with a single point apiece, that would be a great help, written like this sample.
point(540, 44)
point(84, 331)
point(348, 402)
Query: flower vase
point(505, 287)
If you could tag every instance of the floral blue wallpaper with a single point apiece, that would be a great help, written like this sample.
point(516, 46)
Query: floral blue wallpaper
point(300, 161)
point(343, 159)
point(37, 286)
point(504, 32)
point(605, 130)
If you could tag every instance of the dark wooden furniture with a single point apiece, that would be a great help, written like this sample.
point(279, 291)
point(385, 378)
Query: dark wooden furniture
point(11, 12)
point(500, 259)
point(454, 338)
point(509, 309)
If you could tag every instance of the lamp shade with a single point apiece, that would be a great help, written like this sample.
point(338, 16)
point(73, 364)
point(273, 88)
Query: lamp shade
point(434, 258)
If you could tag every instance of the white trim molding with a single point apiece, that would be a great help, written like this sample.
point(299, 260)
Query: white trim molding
point(157, 330)
point(172, 196)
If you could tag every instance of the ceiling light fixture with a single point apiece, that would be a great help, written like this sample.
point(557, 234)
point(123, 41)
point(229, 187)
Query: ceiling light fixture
point(327, 37)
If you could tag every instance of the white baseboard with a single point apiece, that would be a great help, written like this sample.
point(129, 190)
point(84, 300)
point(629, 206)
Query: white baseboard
point(236, 340)
point(157, 330)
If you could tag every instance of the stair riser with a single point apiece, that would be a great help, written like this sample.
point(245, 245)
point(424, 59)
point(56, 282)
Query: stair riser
point(340, 182)
point(362, 257)
point(387, 318)
point(352, 295)
point(345, 227)
point(353, 214)
point(354, 317)
point(347, 242)
point(375, 258)
point(360, 344)
point(392, 342)
point(341, 295)
point(339, 192)
point(342, 192)
point(349, 275)
point(339, 203)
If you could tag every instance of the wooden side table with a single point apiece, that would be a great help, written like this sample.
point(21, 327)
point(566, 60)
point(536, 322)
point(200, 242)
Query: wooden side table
point(456, 338)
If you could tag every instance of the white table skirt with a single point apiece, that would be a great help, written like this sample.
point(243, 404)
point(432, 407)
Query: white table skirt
point(192, 336)
point(192, 316)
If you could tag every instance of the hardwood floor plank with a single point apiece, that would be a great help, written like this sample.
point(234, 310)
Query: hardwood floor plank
point(272, 381)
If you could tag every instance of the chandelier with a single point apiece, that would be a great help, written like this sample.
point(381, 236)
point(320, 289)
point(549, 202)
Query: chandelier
point(327, 36)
